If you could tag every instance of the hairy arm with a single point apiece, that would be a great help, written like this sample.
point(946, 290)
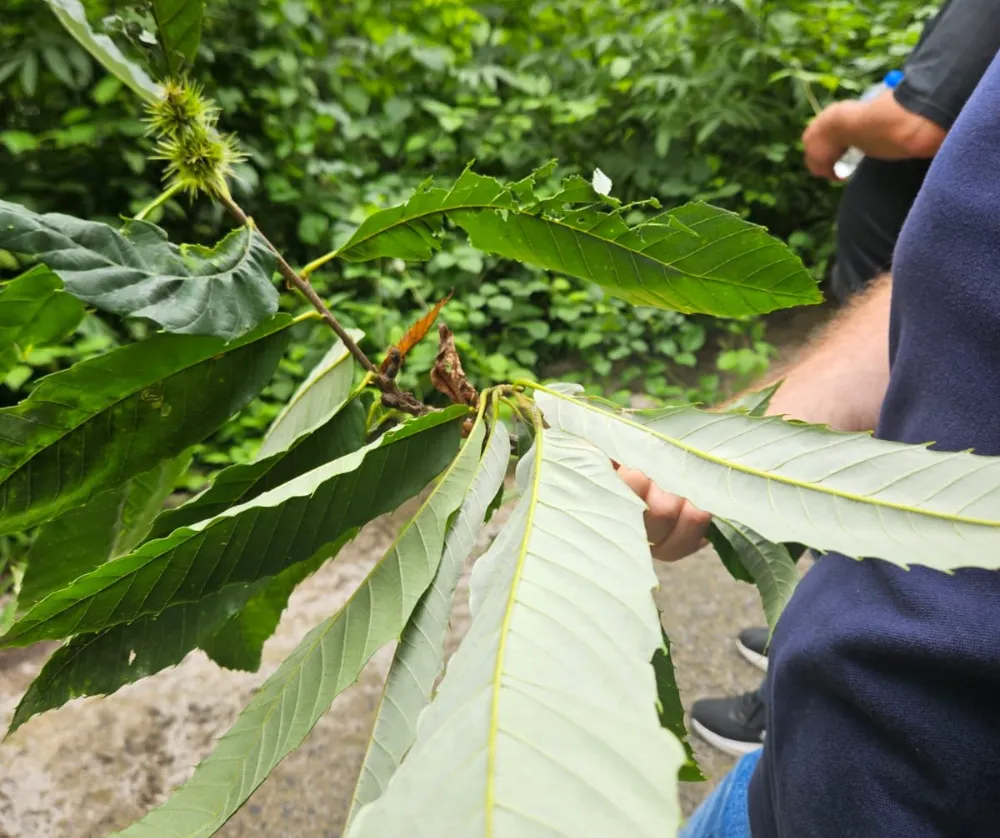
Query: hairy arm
point(839, 379)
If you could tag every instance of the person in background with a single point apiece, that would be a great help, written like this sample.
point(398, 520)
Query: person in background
point(882, 715)
point(899, 131)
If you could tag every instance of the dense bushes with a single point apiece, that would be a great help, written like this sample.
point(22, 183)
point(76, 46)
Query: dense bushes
point(344, 107)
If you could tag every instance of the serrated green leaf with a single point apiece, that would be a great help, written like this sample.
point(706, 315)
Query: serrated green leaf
point(328, 660)
point(694, 258)
point(769, 565)
point(727, 553)
point(671, 710)
point(410, 231)
point(318, 398)
point(231, 624)
point(99, 664)
point(419, 657)
point(34, 311)
point(238, 643)
point(178, 23)
point(107, 419)
point(711, 262)
point(254, 540)
point(316, 427)
point(845, 492)
point(109, 525)
point(224, 291)
point(754, 402)
point(546, 721)
point(343, 433)
point(72, 16)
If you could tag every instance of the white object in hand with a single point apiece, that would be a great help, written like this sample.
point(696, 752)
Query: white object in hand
point(852, 158)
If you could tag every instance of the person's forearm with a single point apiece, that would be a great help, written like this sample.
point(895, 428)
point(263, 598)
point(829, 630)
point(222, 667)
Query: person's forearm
point(840, 377)
point(884, 129)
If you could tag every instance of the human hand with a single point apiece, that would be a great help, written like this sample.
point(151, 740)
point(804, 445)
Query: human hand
point(821, 142)
point(675, 528)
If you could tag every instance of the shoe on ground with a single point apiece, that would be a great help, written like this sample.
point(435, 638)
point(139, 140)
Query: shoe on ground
point(752, 644)
point(734, 725)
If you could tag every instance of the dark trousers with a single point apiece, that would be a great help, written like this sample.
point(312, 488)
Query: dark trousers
point(872, 210)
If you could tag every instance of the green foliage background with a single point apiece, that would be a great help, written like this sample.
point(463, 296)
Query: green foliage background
point(345, 107)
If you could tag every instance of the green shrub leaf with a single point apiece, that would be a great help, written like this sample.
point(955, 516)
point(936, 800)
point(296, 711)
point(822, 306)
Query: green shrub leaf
point(110, 418)
point(231, 625)
point(111, 524)
point(72, 16)
point(318, 398)
point(419, 657)
point(695, 258)
point(178, 23)
point(224, 291)
point(789, 481)
point(671, 709)
point(34, 311)
point(99, 664)
point(317, 426)
point(770, 566)
point(547, 711)
point(328, 660)
point(252, 541)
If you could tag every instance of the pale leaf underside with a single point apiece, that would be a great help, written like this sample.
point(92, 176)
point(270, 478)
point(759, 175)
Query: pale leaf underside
point(546, 722)
point(419, 657)
point(791, 482)
point(73, 17)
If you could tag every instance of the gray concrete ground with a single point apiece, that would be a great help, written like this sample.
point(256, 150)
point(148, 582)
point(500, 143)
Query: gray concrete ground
point(97, 764)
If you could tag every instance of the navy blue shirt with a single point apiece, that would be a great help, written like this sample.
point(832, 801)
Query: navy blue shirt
point(884, 714)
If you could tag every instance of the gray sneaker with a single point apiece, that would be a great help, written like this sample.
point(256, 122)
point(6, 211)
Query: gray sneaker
point(752, 644)
point(735, 725)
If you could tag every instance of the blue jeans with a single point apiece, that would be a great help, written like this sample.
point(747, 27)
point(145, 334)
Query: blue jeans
point(724, 814)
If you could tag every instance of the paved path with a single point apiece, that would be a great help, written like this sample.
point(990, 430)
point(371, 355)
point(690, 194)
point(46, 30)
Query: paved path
point(97, 764)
